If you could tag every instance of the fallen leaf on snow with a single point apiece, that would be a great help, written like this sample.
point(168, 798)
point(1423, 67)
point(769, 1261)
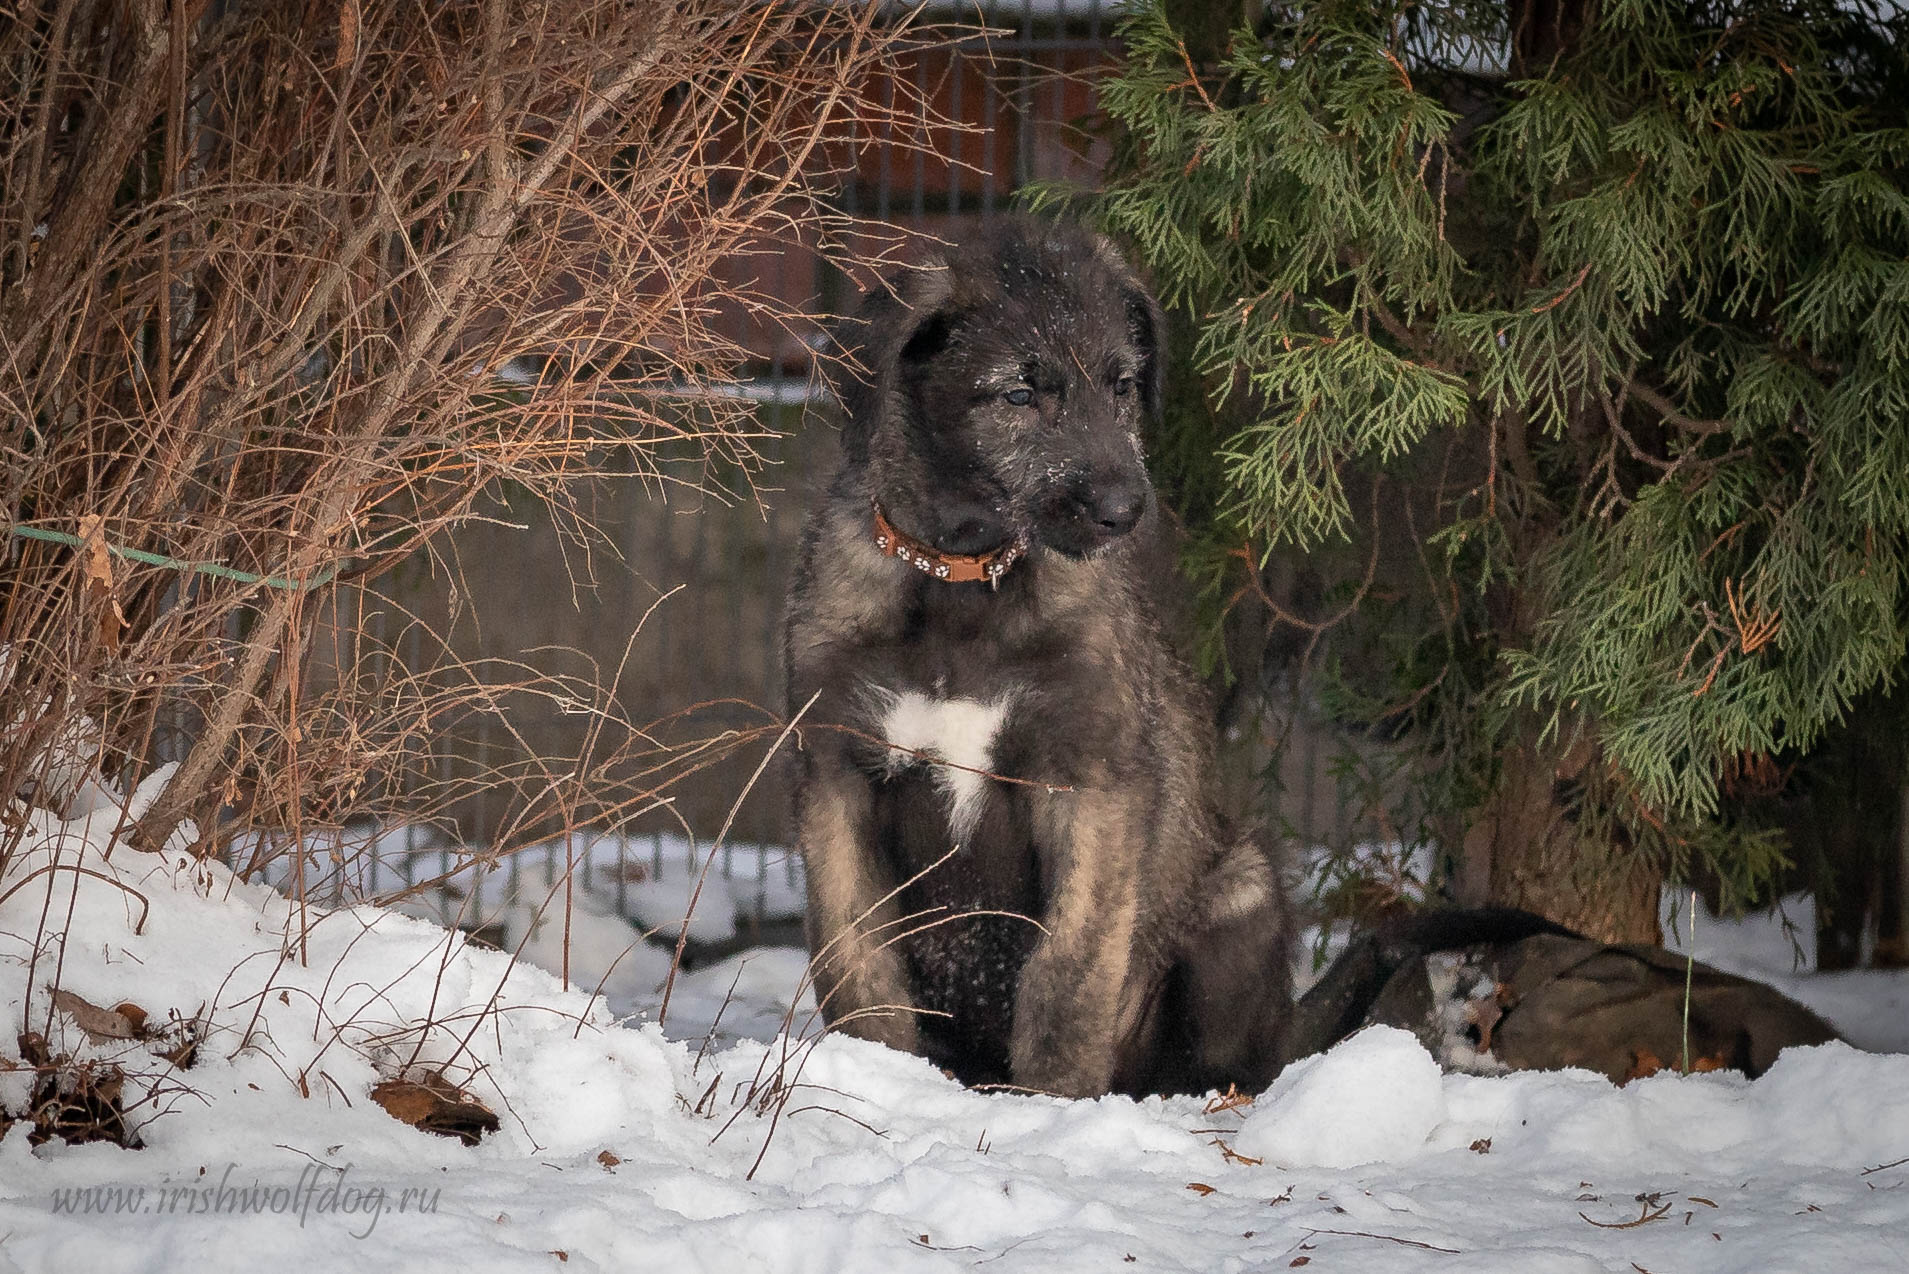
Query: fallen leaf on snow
point(434, 1104)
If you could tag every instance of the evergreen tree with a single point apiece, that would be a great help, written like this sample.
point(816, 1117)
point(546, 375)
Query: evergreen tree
point(1565, 348)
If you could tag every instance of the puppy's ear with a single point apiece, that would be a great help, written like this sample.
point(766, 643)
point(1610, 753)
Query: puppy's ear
point(928, 335)
point(1146, 326)
point(1149, 329)
point(902, 322)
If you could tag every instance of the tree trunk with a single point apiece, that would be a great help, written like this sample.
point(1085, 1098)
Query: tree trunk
point(1849, 819)
point(1525, 848)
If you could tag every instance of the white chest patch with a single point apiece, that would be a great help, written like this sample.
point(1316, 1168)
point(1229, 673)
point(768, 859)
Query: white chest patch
point(958, 731)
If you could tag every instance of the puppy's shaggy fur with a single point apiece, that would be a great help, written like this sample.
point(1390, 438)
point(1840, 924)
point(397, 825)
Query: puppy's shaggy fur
point(1005, 790)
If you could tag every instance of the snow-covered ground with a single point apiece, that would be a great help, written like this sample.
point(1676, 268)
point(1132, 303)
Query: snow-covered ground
point(635, 1147)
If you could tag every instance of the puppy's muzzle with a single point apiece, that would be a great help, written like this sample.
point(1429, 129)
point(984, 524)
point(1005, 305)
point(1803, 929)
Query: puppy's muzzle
point(969, 528)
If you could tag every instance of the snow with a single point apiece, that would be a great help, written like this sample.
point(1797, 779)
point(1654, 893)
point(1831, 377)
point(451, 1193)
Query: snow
point(588, 942)
point(1376, 1096)
point(625, 1145)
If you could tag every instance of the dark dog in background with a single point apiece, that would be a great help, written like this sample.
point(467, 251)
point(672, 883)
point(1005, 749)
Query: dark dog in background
point(1005, 793)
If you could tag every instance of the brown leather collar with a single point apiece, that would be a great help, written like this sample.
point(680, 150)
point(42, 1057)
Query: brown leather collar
point(955, 568)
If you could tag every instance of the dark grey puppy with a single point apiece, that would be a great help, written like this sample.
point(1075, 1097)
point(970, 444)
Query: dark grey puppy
point(1005, 792)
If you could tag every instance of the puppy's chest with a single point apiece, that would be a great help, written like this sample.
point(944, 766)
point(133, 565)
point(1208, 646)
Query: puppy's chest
point(955, 739)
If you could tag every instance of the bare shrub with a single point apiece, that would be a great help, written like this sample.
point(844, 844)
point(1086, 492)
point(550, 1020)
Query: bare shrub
point(286, 291)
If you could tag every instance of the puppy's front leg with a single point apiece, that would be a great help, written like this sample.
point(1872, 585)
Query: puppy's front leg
point(853, 920)
point(1085, 989)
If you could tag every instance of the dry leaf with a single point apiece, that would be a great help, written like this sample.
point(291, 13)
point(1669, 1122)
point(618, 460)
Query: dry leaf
point(434, 1104)
point(99, 1024)
point(97, 561)
point(1200, 1188)
point(1231, 1099)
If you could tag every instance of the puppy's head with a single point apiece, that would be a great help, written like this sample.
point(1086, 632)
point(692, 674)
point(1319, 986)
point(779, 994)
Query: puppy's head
point(998, 392)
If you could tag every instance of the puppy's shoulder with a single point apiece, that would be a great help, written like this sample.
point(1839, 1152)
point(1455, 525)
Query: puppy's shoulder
point(842, 585)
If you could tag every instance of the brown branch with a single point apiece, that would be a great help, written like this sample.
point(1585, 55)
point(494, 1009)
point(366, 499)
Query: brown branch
point(1569, 288)
point(1317, 628)
point(1646, 1214)
point(1193, 78)
point(1662, 406)
point(1388, 1238)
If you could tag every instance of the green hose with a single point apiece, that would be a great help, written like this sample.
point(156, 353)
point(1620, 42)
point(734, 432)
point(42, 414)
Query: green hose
point(216, 569)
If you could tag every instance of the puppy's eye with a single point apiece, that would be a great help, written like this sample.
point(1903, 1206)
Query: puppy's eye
point(1123, 386)
point(1019, 397)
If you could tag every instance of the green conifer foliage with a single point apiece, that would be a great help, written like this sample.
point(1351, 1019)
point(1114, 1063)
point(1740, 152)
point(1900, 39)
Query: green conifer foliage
point(1615, 314)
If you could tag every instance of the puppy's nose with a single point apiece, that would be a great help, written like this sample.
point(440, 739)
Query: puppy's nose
point(1118, 508)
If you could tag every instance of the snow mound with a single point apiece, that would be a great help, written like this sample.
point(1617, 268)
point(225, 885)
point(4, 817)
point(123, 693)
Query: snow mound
point(286, 1001)
point(1375, 1096)
point(589, 941)
point(1827, 1106)
point(619, 1148)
